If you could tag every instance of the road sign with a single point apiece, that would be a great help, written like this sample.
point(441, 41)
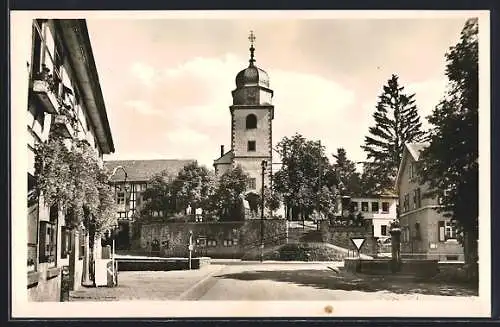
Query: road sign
point(358, 242)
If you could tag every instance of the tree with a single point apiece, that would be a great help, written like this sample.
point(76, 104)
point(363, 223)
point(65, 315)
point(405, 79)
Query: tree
point(192, 187)
point(70, 177)
point(158, 196)
point(396, 122)
point(347, 174)
point(272, 199)
point(227, 200)
point(302, 176)
point(449, 164)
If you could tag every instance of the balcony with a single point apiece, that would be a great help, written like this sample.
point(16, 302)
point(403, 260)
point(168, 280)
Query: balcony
point(63, 125)
point(43, 92)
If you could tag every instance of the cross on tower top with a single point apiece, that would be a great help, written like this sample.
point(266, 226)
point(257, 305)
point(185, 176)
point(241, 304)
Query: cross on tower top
point(251, 38)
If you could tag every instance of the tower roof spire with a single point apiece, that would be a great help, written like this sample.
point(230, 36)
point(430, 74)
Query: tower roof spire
point(251, 38)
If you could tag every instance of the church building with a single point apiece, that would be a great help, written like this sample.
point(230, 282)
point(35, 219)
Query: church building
point(252, 116)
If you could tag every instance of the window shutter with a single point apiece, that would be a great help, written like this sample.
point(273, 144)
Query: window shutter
point(441, 231)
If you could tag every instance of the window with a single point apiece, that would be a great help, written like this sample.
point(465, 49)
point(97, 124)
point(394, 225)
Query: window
point(120, 197)
point(364, 206)
point(201, 242)
point(122, 214)
point(251, 183)
point(228, 242)
point(383, 230)
point(385, 207)
point(65, 242)
point(375, 207)
point(414, 199)
point(446, 231)
point(32, 229)
point(133, 197)
point(251, 121)
point(251, 146)
point(406, 203)
point(212, 243)
point(47, 242)
point(411, 171)
point(405, 234)
point(354, 206)
point(417, 234)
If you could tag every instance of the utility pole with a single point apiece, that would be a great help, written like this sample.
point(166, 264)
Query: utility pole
point(263, 164)
point(319, 179)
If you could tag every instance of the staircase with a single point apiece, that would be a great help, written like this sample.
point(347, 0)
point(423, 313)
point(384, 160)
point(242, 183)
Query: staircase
point(303, 232)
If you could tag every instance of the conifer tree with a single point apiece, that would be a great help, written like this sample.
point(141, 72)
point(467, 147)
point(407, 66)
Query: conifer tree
point(396, 122)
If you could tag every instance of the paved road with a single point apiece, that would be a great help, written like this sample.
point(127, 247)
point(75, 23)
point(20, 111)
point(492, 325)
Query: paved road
point(288, 281)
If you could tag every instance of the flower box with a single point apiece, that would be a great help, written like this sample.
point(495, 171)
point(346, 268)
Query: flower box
point(47, 98)
point(63, 124)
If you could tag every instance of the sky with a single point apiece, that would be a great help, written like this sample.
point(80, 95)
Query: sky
point(167, 82)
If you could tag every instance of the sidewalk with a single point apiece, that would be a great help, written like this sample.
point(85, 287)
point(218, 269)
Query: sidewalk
point(147, 285)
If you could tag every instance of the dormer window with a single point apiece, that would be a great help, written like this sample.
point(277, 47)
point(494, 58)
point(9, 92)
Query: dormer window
point(251, 121)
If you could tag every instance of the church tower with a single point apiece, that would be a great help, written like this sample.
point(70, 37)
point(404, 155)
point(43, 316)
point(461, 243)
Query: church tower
point(252, 115)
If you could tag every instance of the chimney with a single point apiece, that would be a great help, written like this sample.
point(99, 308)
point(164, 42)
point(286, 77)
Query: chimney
point(221, 150)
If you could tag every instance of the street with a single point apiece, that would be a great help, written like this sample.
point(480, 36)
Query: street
point(233, 280)
point(314, 281)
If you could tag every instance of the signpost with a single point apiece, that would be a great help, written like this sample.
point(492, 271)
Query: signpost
point(358, 243)
point(190, 247)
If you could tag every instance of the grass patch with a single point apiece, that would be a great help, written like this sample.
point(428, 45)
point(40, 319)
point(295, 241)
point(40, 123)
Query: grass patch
point(301, 251)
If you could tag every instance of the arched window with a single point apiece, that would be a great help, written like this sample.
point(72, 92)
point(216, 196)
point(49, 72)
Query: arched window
point(251, 121)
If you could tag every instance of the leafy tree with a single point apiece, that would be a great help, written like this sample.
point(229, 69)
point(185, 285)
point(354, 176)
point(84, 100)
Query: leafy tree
point(301, 178)
point(227, 200)
point(347, 174)
point(158, 196)
point(396, 122)
point(193, 186)
point(272, 199)
point(449, 163)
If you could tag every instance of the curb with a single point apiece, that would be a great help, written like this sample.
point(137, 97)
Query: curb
point(190, 292)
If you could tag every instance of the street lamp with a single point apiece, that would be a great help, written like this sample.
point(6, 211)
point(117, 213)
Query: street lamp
point(264, 165)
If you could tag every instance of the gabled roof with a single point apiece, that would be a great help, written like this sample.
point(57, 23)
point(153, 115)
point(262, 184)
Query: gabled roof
point(227, 158)
point(143, 170)
point(414, 150)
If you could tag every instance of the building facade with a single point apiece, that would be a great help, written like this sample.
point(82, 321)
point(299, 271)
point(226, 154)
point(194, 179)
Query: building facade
point(130, 178)
point(381, 210)
point(63, 95)
point(252, 114)
point(425, 232)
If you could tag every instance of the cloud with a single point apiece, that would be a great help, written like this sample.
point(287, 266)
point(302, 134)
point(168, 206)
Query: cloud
point(143, 107)
point(185, 136)
point(145, 73)
point(193, 100)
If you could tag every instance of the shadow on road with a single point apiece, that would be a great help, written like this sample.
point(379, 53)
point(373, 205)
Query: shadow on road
point(349, 282)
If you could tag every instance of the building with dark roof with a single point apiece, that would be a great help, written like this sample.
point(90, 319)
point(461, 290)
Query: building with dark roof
point(425, 233)
point(130, 178)
point(62, 95)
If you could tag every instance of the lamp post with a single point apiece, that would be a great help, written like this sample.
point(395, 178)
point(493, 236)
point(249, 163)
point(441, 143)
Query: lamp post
point(264, 165)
